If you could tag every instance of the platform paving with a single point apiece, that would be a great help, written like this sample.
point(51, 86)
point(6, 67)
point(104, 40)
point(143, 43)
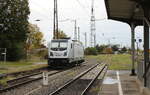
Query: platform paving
point(119, 83)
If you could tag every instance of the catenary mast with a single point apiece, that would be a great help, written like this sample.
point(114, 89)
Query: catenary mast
point(93, 28)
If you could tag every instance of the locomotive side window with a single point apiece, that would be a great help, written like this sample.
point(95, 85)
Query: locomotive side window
point(71, 45)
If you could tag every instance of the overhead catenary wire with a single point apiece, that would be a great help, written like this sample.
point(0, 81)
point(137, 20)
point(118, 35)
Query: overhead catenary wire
point(83, 7)
point(41, 13)
point(38, 5)
point(44, 10)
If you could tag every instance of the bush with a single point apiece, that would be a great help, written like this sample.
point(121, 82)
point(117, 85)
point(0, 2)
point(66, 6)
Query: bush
point(91, 51)
point(108, 50)
point(123, 50)
point(16, 53)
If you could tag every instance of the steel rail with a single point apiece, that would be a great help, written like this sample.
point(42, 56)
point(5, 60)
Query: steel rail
point(25, 82)
point(21, 72)
point(73, 80)
point(13, 80)
point(91, 83)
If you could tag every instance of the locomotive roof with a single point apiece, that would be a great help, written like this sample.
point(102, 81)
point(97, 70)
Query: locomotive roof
point(65, 40)
point(55, 40)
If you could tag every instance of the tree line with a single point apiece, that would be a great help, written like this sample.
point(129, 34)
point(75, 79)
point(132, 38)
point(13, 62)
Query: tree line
point(19, 36)
point(106, 49)
point(16, 33)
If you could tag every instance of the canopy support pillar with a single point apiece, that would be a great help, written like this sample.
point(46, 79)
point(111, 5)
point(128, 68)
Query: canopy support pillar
point(146, 44)
point(133, 49)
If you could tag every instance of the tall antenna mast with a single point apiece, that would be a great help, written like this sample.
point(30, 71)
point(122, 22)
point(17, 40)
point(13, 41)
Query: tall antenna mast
point(93, 28)
point(55, 27)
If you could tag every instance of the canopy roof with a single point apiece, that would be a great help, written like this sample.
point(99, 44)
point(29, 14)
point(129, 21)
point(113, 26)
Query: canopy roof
point(127, 10)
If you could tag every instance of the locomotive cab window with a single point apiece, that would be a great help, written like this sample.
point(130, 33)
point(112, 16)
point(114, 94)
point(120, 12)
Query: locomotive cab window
point(59, 45)
point(71, 45)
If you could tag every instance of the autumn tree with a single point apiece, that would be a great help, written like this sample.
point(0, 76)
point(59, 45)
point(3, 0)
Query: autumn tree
point(61, 34)
point(101, 48)
point(13, 27)
point(34, 38)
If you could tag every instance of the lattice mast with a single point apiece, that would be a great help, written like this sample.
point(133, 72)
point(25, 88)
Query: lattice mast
point(93, 28)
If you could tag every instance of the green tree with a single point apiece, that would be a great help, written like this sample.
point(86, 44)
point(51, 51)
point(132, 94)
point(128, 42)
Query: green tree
point(13, 27)
point(91, 51)
point(124, 50)
point(115, 48)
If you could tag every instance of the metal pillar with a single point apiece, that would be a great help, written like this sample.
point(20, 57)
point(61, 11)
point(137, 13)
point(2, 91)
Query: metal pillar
point(85, 40)
point(78, 33)
point(55, 26)
point(133, 49)
point(75, 30)
point(93, 28)
point(146, 50)
point(94, 40)
point(146, 42)
point(57, 35)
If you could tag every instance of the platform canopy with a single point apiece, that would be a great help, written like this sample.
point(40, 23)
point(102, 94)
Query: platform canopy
point(133, 12)
point(127, 10)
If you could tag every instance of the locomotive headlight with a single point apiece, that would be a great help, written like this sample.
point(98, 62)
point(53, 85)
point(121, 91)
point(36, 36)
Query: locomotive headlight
point(65, 53)
point(51, 54)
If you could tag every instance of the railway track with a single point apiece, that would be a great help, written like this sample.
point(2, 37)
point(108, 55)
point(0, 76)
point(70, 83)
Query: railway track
point(22, 73)
point(26, 79)
point(76, 86)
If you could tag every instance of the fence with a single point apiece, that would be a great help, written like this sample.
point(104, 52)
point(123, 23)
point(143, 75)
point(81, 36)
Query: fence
point(148, 79)
point(37, 54)
point(141, 72)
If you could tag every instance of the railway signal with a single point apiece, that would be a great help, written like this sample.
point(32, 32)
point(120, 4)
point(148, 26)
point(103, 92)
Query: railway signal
point(4, 53)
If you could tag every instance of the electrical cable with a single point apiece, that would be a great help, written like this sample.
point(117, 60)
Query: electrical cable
point(82, 6)
point(41, 8)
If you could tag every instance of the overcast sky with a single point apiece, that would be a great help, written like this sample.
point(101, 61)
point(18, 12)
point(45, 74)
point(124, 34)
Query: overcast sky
point(80, 10)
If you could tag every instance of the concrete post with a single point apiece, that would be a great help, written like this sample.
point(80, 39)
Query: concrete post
point(45, 78)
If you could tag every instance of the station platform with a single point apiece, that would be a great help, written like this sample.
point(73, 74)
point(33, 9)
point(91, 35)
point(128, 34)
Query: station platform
point(120, 83)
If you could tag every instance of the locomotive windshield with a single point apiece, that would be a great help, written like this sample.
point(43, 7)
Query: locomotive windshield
point(59, 45)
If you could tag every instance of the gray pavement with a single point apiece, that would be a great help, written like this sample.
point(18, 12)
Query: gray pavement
point(119, 83)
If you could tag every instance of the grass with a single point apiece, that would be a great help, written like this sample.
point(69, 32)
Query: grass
point(116, 62)
point(9, 67)
point(3, 81)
